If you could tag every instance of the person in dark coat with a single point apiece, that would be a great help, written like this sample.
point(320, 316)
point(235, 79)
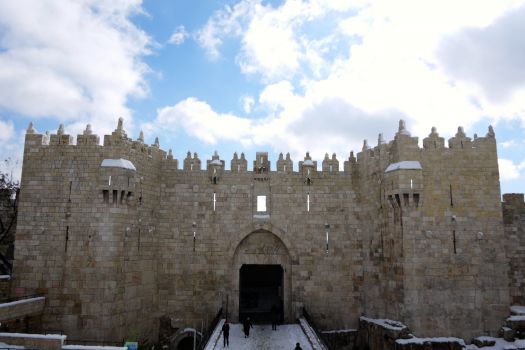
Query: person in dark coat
point(298, 347)
point(275, 317)
point(247, 324)
point(226, 333)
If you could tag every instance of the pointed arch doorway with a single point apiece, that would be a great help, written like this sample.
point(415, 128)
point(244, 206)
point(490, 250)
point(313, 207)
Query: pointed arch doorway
point(262, 279)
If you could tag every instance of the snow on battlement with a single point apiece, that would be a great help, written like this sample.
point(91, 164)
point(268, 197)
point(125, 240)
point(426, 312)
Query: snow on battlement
point(118, 163)
point(406, 164)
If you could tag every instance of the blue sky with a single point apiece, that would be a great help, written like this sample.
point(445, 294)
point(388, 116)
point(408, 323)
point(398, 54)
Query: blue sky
point(277, 76)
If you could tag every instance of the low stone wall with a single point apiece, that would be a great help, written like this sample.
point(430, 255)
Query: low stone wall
point(34, 341)
point(384, 334)
point(21, 308)
point(344, 339)
point(380, 334)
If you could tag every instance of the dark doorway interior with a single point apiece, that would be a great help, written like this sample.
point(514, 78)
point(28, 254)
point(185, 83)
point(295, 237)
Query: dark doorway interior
point(261, 293)
point(186, 344)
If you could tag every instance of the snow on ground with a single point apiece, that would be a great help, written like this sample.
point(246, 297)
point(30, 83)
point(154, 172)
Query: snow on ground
point(263, 338)
point(517, 310)
point(7, 346)
point(501, 344)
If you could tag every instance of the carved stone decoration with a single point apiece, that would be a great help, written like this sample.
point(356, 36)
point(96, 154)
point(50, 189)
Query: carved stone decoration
point(215, 168)
point(308, 168)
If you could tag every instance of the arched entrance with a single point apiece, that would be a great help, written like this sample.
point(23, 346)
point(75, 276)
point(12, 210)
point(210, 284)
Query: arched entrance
point(262, 279)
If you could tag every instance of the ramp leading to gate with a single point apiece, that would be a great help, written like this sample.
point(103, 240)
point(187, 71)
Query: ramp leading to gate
point(263, 337)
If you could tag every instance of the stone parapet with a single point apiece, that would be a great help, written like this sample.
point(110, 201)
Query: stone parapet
point(21, 308)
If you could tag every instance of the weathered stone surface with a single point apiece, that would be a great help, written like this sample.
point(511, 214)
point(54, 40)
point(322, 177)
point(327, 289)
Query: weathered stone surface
point(115, 249)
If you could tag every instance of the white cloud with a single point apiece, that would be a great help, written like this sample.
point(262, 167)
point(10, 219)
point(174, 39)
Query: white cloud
point(247, 103)
point(509, 170)
point(508, 144)
point(198, 119)
point(272, 44)
point(179, 36)
point(7, 130)
point(11, 146)
point(277, 95)
point(328, 81)
point(74, 61)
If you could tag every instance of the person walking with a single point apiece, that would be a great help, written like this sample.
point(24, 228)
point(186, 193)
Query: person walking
point(298, 347)
point(246, 327)
point(275, 317)
point(226, 333)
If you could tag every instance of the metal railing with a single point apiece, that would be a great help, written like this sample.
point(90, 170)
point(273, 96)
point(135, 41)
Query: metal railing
point(319, 335)
point(206, 334)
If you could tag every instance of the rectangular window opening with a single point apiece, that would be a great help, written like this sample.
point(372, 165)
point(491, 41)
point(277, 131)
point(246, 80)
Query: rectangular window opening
point(115, 196)
point(105, 194)
point(122, 196)
point(416, 199)
point(261, 203)
point(406, 199)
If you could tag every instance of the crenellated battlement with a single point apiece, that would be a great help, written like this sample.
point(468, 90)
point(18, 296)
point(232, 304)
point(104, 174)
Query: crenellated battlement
point(403, 147)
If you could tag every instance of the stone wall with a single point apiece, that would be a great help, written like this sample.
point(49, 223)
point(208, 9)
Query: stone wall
point(435, 254)
point(514, 220)
point(5, 287)
point(117, 245)
point(34, 341)
point(8, 216)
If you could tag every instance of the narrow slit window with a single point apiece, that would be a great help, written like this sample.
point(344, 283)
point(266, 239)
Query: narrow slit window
point(67, 238)
point(308, 202)
point(411, 184)
point(261, 203)
point(214, 200)
point(450, 193)
point(109, 181)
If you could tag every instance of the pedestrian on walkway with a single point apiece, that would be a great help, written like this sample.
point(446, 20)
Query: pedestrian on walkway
point(226, 333)
point(298, 347)
point(275, 317)
point(246, 327)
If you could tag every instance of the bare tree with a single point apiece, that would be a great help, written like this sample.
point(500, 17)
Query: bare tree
point(9, 189)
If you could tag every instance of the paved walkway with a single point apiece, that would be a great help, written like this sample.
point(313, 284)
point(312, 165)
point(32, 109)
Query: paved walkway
point(263, 338)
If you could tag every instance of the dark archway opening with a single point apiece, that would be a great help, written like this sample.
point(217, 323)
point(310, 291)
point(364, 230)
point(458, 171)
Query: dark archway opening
point(261, 293)
point(185, 344)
